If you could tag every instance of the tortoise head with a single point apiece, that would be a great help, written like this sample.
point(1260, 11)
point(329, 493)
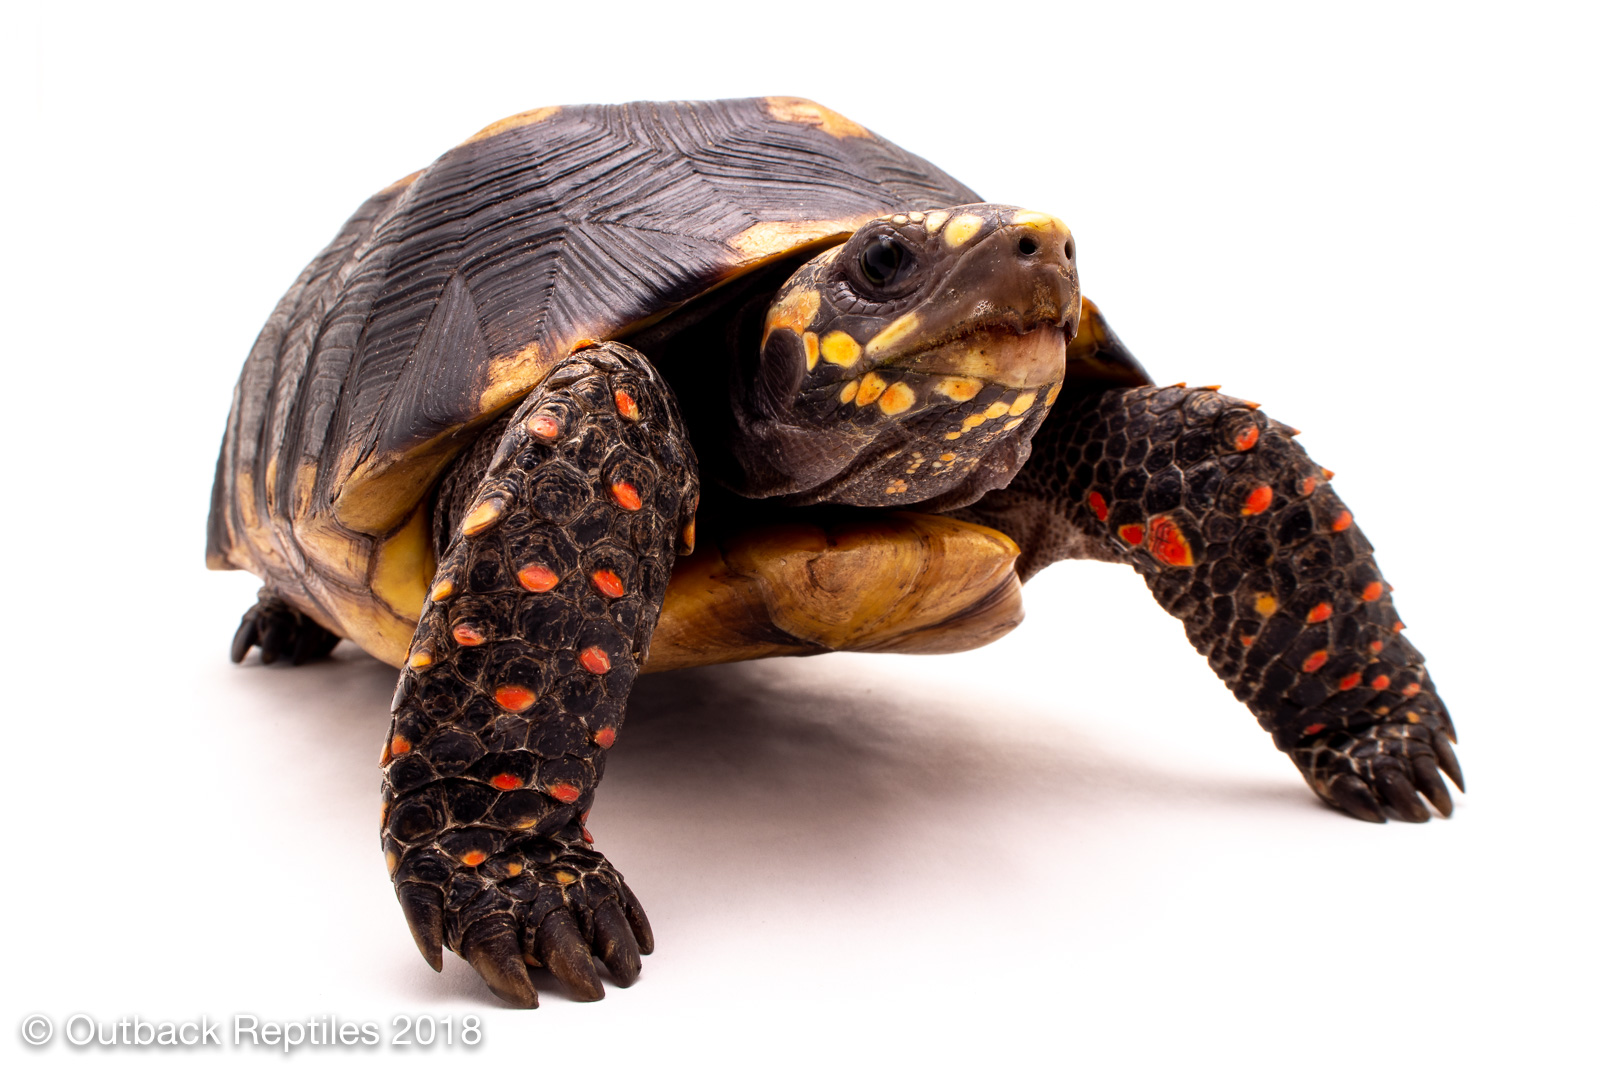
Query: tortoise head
point(911, 363)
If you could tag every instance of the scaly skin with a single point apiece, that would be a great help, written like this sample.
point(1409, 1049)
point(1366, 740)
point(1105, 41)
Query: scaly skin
point(1238, 534)
point(542, 610)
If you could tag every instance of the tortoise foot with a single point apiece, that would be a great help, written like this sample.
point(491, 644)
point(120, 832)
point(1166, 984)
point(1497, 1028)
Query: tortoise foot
point(1384, 766)
point(540, 901)
point(280, 630)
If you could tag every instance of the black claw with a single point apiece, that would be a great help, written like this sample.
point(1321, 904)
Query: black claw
point(1401, 795)
point(1352, 796)
point(1447, 761)
point(614, 944)
point(273, 637)
point(639, 921)
point(493, 949)
point(559, 944)
point(243, 638)
point(423, 906)
point(1426, 772)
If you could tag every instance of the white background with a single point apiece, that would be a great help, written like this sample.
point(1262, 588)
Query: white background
point(1074, 845)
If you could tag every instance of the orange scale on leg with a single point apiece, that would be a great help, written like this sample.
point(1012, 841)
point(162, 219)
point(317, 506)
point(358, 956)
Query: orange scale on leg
point(626, 495)
point(565, 792)
point(1314, 662)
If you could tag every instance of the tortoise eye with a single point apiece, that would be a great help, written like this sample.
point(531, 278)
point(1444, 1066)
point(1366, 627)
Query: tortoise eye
point(885, 262)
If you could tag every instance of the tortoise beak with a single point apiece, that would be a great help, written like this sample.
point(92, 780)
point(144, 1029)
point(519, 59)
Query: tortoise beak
point(1005, 311)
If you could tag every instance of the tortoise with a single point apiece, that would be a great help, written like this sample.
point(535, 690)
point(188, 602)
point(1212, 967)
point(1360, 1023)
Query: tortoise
point(625, 388)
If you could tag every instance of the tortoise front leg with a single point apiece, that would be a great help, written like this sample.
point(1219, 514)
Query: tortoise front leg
point(547, 592)
point(1238, 533)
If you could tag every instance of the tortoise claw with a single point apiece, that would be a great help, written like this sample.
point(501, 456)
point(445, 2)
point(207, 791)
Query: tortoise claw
point(1426, 773)
point(423, 907)
point(493, 949)
point(614, 943)
point(1401, 795)
point(638, 920)
point(1447, 761)
point(244, 638)
point(559, 945)
point(1352, 796)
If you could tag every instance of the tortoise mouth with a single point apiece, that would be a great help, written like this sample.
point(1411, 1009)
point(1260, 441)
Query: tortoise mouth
point(1000, 354)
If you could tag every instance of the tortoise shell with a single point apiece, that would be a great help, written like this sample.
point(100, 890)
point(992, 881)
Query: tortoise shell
point(452, 292)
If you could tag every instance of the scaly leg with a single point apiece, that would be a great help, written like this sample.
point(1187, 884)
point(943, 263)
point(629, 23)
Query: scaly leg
point(1238, 533)
point(547, 592)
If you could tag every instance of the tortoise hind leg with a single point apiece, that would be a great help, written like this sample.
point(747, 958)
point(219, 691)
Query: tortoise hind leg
point(280, 629)
point(558, 536)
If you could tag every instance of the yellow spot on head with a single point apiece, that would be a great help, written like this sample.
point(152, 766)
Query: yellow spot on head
point(794, 311)
point(566, 877)
point(893, 332)
point(962, 229)
point(841, 349)
point(959, 389)
point(995, 410)
point(972, 421)
point(1266, 604)
point(1050, 397)
point(947, 456)
point(952, 435)
point(917, 216)
point(900, 220)
point(848, 393)
point(897, 398)
point(872, 386)
point(1038, 220)
point(812, 350)
point(391, 861)
point(936, 220)
point(1023, 403)
point(1013, 424)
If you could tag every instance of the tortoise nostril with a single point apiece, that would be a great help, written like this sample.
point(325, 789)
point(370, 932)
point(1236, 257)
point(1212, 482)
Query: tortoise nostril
point(1069, 249)
point(1027, 246)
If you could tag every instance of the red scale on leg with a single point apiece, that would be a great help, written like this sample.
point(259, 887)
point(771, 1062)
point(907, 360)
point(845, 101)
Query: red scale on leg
point(537, 578)
point(544, 426)
point(514, 697)
point(1321, 613)
point(1259, 500)
point(1342, 522)
point(1314, 662)
point(1133, 533)
point(626, 496)
point(627, 407)
point(565, 792)
point(1247, 438)
point(505, 782)
point(1097, 504)
point(605, 737)
point(1349, 681)
point(608, 583)
point(1372, 591)
point(1168, 544)
point(595, 660)
point(466, 635)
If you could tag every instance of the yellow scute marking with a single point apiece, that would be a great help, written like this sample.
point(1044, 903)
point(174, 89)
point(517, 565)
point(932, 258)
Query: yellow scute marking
point(848, 393)
point(812, 350)
point(525, 118)
point(1022, 403)
point(995, 410)
point(840, 348)
point(962, 228)
point(897, 398)
point(810, 113)
point(895, 331)
point(1038, 220)
point(935, 220)
point(403, 566)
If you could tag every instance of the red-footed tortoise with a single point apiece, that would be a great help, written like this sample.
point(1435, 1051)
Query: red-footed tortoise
point(474, 437)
